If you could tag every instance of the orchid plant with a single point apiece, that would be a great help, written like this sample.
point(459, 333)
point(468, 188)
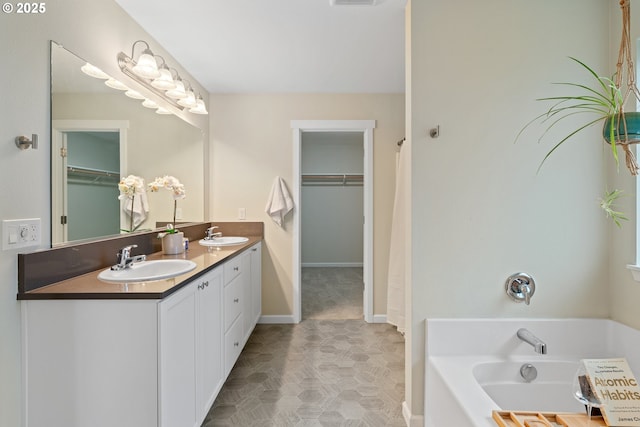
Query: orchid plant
point(129, 187)
point(178, 192)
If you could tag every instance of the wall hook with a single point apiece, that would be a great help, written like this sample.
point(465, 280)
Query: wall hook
point(23, 142)
point(434, 132)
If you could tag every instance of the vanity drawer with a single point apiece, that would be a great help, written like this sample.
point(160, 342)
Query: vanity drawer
point(232, 345)
point(232, 269)
point(233, 300)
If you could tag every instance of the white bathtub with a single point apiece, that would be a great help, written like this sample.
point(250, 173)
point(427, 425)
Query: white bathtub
point(473, 365)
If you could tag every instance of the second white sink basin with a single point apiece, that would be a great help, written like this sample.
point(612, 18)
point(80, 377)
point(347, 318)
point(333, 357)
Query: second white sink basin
point(224, 241)
point(148, 271)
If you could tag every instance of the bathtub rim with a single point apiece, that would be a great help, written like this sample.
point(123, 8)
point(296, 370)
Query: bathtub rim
point(614, 339)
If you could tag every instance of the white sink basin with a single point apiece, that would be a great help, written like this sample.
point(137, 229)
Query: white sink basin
point(224, 241)
point(147, 271)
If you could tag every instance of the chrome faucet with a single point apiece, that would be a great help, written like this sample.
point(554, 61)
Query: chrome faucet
point(527, 336)
point(211, 235)
point(125, 260)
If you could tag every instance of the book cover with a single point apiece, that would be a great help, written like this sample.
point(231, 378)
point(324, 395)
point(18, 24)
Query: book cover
point(615, 386)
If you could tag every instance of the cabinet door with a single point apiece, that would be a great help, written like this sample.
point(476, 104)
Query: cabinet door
point(233, 301)
point(210, 335)
point(256, 282)
point(177, 357)
point(233, 345)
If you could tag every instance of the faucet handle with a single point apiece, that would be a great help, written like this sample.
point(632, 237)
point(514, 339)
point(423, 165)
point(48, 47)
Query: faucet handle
point(209, 234)
point(125, 252)
point(520, 287)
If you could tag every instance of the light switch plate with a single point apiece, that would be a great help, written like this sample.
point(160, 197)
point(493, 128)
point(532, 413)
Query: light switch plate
point(20, 233)
point(242, 213)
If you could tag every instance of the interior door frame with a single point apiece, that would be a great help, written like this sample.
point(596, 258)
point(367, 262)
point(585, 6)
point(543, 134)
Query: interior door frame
point(366, 128)
point(58, 130)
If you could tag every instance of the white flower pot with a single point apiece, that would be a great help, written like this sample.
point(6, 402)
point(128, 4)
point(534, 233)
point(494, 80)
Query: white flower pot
point(173, 243)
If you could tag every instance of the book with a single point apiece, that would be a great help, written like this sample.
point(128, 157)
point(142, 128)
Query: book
point(614, 385)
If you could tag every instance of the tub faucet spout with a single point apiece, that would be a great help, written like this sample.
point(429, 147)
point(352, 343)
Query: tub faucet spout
point(527, 336)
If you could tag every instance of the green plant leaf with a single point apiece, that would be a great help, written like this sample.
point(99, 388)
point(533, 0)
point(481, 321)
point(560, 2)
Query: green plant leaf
point(604, 100)
point(607, 203)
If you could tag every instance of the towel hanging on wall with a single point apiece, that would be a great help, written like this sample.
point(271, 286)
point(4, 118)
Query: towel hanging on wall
point(280, 202)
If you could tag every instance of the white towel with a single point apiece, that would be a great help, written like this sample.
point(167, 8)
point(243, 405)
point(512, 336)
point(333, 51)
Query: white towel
point(140, 208)
point(280, 202)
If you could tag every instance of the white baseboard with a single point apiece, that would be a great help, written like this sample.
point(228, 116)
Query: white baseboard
point(332, 264)
point(379, 318)
point(288, 319)
point(411, 420)
point(276, 319)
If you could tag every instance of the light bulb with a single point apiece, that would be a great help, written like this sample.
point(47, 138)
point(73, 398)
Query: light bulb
point(200, 108)
point(178, 92)
point(115, 84)
point(164, 81)
point(188, 101)
point(133, 94)
point(146, 65)
point(93, 71)
point(149, 104)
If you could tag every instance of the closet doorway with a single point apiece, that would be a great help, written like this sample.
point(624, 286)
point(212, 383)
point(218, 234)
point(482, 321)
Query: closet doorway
point(333, 228)
point(87, 160)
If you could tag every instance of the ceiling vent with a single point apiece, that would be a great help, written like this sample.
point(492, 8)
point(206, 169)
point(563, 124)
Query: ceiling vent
point(352, 2)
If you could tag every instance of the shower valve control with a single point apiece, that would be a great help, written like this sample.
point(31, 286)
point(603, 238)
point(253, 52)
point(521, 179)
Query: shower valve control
point(520, 287)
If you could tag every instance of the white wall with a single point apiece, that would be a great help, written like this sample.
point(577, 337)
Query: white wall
point(252, 143)
point(479, 210)
point(98, 30)
point(331, 214)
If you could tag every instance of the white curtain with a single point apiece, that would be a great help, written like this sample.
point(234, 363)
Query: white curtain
point(395, 280)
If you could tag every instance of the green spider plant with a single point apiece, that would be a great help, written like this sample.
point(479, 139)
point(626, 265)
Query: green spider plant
point(605, 101)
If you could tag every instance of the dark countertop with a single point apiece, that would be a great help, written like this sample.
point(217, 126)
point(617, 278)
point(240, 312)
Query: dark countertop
point(87, 286)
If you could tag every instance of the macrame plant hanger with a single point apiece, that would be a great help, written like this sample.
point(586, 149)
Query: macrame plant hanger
point(625, 65)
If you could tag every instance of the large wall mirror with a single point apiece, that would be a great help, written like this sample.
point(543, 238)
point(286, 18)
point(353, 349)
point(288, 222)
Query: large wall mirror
point(100, 135)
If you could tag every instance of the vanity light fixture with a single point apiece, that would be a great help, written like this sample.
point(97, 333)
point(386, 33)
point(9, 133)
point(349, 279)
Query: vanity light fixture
point(162, 110)
point(133, 94)
point(93, 71)
point(167, 85)
point(115, 84)
point(146, 66)
point(188, 101)
point(177, 92)
point(200, 108)
point(149, 104)
point(164, 81)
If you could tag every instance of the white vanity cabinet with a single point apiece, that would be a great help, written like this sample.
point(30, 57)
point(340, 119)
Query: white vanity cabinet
point(138, 362)
point(242, 301)
point(190, 361)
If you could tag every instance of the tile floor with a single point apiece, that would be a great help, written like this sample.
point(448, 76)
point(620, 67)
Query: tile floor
point(321, 372)
point(332, 293)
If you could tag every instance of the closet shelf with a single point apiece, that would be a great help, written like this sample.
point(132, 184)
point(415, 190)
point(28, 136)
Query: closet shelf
point(333, 179)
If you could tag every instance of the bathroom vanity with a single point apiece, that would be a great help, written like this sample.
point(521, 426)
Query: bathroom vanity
point(141, 354)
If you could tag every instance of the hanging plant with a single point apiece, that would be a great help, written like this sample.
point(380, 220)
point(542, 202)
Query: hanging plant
point(604, 102)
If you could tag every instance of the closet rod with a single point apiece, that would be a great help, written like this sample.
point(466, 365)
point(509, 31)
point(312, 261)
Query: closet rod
point(334, 176)
point(92, 172)
point(342, 179)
